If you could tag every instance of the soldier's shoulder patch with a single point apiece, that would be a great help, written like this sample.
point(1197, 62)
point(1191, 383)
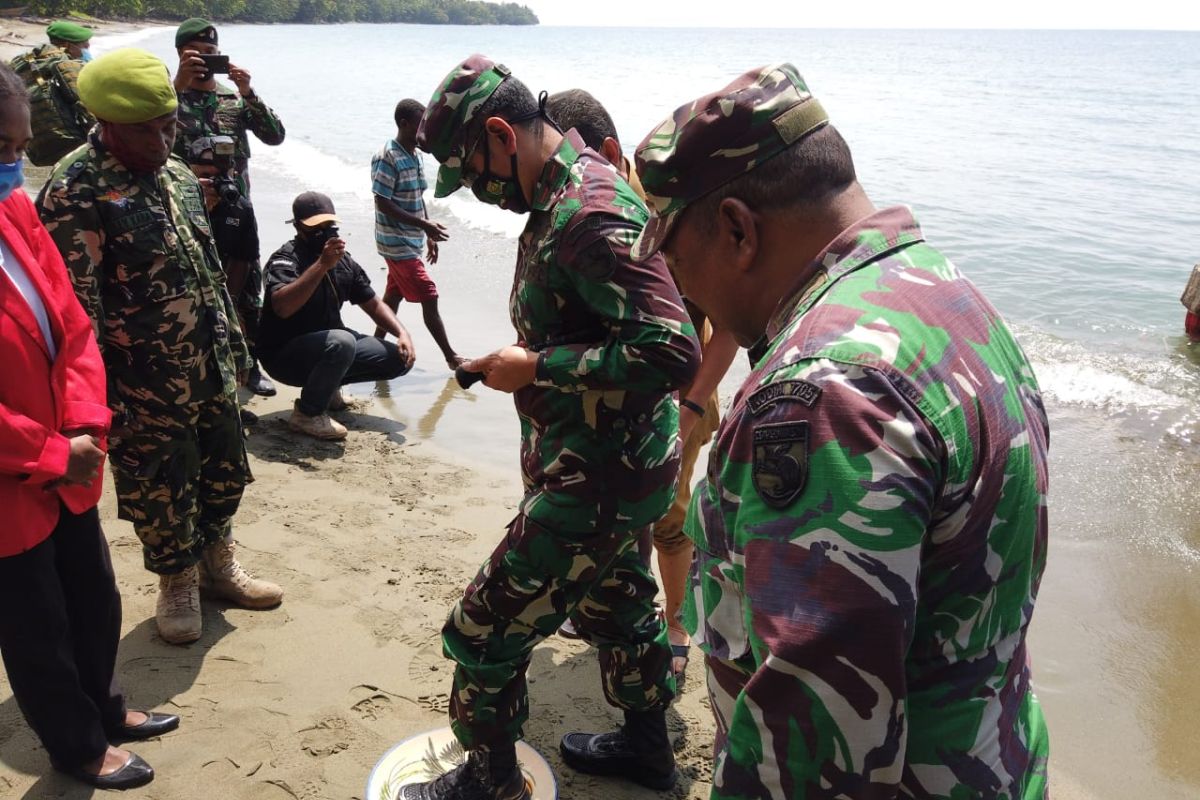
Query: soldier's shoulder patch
point(780, 461)
point(790, 391)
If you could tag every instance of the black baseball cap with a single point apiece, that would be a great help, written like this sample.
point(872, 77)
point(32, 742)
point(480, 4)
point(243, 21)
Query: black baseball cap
point(312, 208)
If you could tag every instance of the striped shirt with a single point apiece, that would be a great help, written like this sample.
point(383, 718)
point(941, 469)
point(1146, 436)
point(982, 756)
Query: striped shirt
point(397, 175)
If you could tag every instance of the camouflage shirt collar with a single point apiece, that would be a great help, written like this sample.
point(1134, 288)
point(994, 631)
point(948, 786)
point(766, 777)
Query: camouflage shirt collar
point(557, 169)
point(870, 238)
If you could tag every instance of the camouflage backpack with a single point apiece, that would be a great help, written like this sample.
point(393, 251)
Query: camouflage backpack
point(60, 122)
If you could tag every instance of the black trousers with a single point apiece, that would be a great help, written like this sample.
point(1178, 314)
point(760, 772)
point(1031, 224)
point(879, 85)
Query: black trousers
point(60, 622)
point(325, 360)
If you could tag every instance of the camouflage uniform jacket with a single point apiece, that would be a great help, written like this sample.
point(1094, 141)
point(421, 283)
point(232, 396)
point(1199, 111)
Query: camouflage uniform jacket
point(871, 537)
point(225, 112)
point(599, 425)
point(142, 257)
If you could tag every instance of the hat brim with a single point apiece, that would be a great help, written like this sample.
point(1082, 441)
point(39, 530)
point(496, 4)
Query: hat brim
point(449, 181)
point(654, 235)
point(316, 219)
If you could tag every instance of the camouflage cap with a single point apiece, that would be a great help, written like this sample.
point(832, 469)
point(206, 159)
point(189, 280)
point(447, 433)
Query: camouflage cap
point(710, 141)
point(449, 113)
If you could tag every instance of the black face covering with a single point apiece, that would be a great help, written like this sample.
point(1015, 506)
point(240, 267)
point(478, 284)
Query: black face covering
point(506, 192)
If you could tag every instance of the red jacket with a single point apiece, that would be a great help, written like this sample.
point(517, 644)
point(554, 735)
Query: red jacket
point(40, 398)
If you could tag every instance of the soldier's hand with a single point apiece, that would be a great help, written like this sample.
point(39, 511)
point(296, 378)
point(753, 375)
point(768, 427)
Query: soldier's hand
point(506, 370)
point(431, 251)
point(241, 79)
point(436, 231)
point(332, 252)
point(84, 460)
point(191, 68)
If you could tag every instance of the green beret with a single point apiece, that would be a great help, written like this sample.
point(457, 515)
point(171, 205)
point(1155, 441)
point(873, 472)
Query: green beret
point(195, 30)
point(127, 86)
point(63, 31)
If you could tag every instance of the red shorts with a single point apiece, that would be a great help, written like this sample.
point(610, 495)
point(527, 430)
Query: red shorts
point(410, 280)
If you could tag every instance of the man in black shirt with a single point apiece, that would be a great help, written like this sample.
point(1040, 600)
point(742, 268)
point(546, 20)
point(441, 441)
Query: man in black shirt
point(236, 234)
point(303, 341)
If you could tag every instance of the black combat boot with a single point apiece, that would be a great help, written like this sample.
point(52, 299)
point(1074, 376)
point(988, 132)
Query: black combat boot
point(640, 751)
point(486, 775)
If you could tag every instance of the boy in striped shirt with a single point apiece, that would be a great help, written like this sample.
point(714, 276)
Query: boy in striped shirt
point(402, 226)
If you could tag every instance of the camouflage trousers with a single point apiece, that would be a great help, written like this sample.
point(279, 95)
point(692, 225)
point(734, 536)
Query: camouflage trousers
point(533, 581)
point(726, 680)
point(179, 477)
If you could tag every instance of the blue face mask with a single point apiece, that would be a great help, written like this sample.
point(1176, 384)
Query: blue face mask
point(85, 56)
point(11, 178)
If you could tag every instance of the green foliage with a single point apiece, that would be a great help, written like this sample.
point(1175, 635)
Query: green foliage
point(433, 12)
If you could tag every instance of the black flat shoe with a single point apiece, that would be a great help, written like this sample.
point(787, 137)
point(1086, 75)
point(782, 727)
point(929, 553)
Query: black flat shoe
point(136, 772)
point(259, 384)
point(155, 725)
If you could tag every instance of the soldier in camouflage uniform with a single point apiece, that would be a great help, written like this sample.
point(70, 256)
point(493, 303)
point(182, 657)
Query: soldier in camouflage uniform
point(699, 406)
point(208, 108)
point(130, 222)
point(872, 531)
point(604, 342)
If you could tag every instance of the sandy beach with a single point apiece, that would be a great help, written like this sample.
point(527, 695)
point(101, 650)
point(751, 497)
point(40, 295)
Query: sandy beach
point(373, 539)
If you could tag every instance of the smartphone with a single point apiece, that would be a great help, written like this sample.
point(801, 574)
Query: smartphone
point(216, 64)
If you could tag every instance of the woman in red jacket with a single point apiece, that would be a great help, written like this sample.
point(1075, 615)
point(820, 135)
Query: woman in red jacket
point(60, 611)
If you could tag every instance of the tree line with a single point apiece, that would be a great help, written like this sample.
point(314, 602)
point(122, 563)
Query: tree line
point(434, 12)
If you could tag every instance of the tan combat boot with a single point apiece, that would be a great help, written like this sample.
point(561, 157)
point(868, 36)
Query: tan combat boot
point(319, 427)
point(177, 612)
point(223, 577)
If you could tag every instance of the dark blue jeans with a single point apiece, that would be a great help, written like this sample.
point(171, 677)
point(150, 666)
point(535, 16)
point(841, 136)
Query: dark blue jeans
point(322, 361)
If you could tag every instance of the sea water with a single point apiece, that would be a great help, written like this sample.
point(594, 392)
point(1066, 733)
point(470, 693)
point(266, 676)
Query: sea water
point(1058, 170)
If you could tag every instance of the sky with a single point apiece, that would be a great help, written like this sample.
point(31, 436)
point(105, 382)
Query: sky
point(1181, 15)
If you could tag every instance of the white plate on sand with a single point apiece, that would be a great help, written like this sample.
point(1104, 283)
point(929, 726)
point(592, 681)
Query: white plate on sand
point(428, 755)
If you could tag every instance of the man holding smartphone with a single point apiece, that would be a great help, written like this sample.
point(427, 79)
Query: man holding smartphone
point(303, 340)
point(208, 109)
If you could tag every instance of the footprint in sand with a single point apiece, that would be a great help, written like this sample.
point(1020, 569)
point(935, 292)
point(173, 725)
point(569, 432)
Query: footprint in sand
point(373, 707)
point(281, 789)
point(375, 703)
point(429, 667)
point(437, 703)
point(329, 736)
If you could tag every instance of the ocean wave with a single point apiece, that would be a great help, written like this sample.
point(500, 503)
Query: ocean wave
point(106, 42)
point(299, 159)
point(296, 158)
point(1159, 387)
point(480, 216)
